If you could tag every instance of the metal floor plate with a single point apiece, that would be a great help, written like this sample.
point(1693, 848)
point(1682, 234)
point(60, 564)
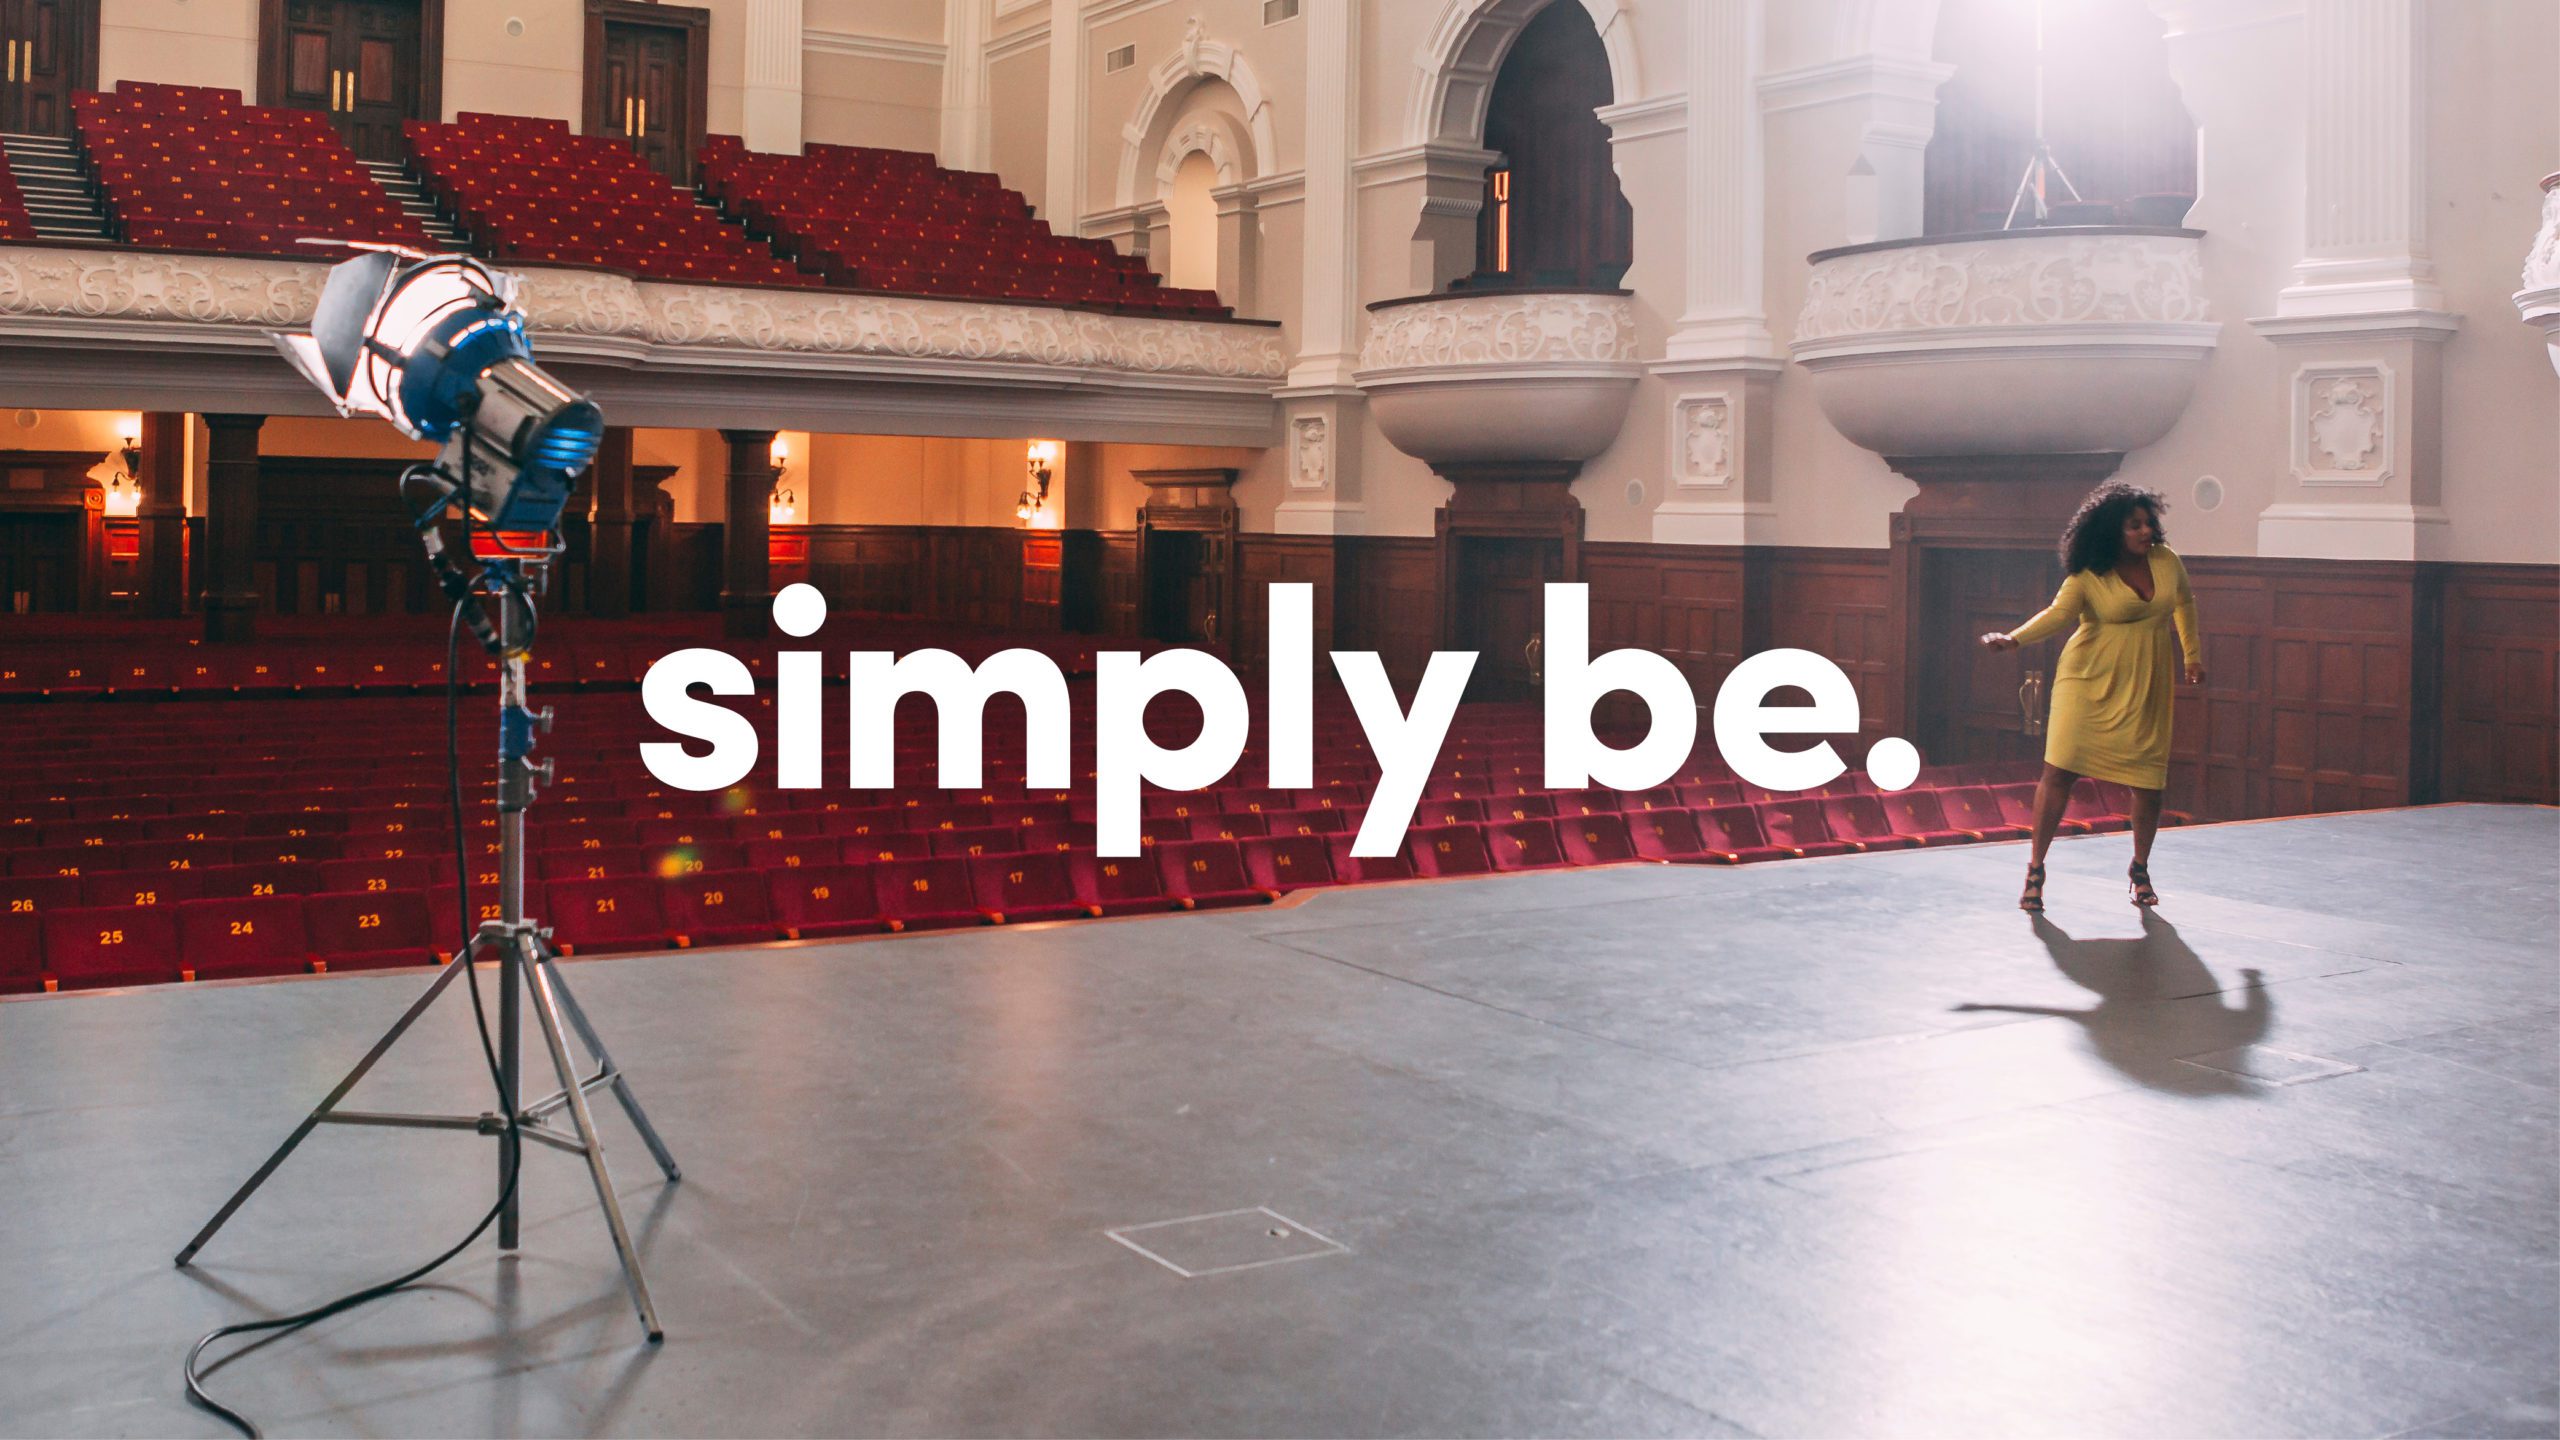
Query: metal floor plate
point(2270, 1066)
point(1225, 1242)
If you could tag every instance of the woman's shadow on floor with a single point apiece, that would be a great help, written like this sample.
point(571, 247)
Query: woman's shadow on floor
point(2155, 1005)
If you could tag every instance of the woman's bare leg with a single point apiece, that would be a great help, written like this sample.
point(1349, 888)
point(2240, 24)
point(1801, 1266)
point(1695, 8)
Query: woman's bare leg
point(2146, 823)
point(2053, 793)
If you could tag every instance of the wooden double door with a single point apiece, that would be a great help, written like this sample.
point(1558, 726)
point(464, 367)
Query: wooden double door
point(1970, 709)
point(646, 83)
point(367, 64)
point(52, 50)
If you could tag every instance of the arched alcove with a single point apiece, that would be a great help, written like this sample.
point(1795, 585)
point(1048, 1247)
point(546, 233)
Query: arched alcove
point(1467, 45)
point(1553, 210)
point(2112, 116)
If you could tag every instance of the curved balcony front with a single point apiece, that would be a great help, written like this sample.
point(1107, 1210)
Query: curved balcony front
point(1501, 376)
point(2539, 301)
point(2077, 340)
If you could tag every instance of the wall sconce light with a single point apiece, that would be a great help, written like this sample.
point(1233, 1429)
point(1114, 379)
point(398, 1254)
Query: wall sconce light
point(1033, 506)
point(122, 477)
point(784, 507)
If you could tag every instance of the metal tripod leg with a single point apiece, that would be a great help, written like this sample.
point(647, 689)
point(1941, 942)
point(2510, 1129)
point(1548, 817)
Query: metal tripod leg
point(320, 1113)
point(577, 1017)
point(546, 1011)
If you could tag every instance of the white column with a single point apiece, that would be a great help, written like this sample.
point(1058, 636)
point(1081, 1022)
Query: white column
point(965, 116)
point(1063, 203)
point(772, 101)
point(2364, 161)
point(1328, 330)
point(1724, 319)
point(1322, 411)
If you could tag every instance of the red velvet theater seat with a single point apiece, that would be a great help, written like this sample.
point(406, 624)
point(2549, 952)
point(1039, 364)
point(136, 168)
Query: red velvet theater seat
point(89, 949)
point(1449, 850)
point(1731, 834)
point(926, 894)
point(1018, 889)
point(21, 953)
point(821, 901)
point(719, 907)
point(141, 887)
point(1524, 845)
point(1595, 839)
point(1916, 813)
point(1122, 885)
point(233, 937)
point(1282, 863)
point(1797, 827)
point(373, 930)
point(1665, 835)
point(616, 913)
point(2018, 807)
point(1206, 874)
point(1861, 818)
point(1356, 869)
point(1974, 808)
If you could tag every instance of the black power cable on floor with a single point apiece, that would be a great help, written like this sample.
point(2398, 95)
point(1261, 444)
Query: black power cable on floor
point(284, 1325)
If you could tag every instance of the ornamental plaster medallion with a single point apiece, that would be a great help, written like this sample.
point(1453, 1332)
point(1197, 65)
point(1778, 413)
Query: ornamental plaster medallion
point(1311, 465)
point(1703, 432)
point(2342, 424)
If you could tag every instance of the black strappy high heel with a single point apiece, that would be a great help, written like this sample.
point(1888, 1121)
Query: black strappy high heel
point(2138, 882)
point(2031, 899)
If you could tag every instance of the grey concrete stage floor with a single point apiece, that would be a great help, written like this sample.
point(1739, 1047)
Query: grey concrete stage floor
point(1819, 1147)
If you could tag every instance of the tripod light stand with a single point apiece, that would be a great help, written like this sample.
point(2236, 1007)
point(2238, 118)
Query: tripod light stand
point(437, 347)
point(2041, 166)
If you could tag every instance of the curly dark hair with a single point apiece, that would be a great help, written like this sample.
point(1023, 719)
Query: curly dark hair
point(2094, 540)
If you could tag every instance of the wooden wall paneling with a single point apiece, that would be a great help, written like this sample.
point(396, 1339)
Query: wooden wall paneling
point(1688, 604)
point(1393, 607)
point(2338, 694)
point(1119, 608)
point(2501, 698)
point(1264, 561)
point(2218, 732)
point(1838, 604)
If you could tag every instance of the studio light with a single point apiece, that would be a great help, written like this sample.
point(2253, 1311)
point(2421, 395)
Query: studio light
point(436, 345)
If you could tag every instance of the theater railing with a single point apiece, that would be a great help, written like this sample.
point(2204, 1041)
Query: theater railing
point(694, 354)
point(1501, 376)
point(2061, 341)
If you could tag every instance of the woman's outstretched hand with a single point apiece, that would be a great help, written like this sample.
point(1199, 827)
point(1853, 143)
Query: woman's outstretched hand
point(2195, 672)
point(1997, 640)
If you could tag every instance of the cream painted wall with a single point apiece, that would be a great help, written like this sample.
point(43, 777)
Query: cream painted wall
point(540, 72)
point(888, 19)
point(859, 100)
point(1018, 100)
point(180, 42)
point(2493, 133)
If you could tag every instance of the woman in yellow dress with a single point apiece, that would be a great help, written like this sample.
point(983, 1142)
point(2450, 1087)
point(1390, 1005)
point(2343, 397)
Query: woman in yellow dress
point(2123, 588)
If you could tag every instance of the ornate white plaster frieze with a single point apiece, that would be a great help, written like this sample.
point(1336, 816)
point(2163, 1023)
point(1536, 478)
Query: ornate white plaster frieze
point(2539, 301)
point(39, 285)
point(1498, 328)
point(2027, 280)
point(2022, 344)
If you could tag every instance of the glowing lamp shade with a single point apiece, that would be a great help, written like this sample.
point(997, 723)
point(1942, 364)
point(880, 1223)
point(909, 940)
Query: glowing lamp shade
point(436, 345)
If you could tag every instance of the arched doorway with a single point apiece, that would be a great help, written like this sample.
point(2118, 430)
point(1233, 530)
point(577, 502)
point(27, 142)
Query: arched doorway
point(1553, 213)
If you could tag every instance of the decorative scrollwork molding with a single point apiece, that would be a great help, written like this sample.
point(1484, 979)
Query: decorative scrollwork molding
point(2028, 279)
point(38, 284)
point(1501, 328)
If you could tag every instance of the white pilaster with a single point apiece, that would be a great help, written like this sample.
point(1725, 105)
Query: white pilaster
point(1328, 328)
point(771, 118)
point(1063, 201)
point(965, 113)
point(2364, 162)
point(1724, 319)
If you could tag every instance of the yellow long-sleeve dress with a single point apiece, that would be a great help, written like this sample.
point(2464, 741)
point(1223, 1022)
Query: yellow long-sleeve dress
point(2113, 685)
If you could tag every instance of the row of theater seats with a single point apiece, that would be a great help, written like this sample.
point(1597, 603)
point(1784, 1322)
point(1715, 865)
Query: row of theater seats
point(186, 168)
point(15, 222)
point(192, 168)
point(893, 220)
point(590, 655)
point(529, 189)
point(149, 926)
